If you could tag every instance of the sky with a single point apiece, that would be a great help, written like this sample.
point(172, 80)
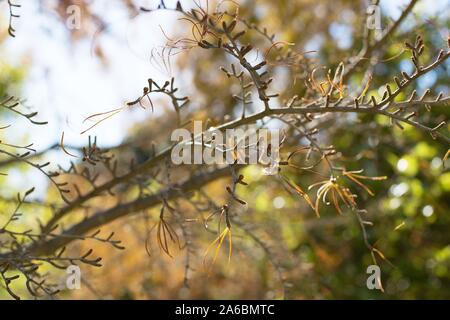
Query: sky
point(67, 82)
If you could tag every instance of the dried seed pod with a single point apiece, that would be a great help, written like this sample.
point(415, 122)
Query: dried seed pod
point(419, 41)
point(246, 49)
point(397, 82)
point(239, 34)
point(408, 45)
point(440, 125)
point(405, 75)
point(413, 95)
point(374, 101)
point(412, 114)
point(260, 65)
point(420, 50)
point(205, 44)
point(231, 26)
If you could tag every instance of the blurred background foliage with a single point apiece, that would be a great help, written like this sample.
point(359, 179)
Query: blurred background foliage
point(280, 234)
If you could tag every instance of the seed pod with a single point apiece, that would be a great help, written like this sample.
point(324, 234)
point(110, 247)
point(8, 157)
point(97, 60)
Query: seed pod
point(231, 26)
point(405, 75)
point(239, 34)
point(374, 101)
point(202, 44)
point(409, 46)
point(388, 89)
point(260, 65)
point(246, 49)
point(420, 51)
point(419, 41)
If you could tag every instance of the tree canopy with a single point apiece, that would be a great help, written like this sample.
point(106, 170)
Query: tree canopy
point(360, 93)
